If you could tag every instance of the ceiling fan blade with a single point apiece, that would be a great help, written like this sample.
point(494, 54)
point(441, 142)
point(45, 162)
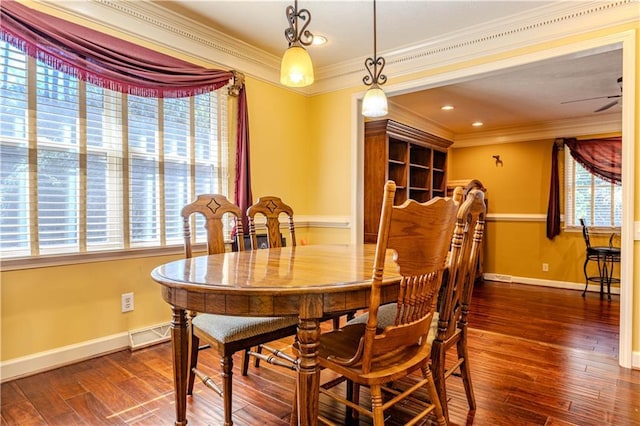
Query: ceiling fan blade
point(607, 106)
point(590, 99)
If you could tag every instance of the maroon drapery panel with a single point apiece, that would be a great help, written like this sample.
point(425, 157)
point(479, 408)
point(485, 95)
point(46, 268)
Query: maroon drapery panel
point(243, 195)
point(601, 157)
point(118, 65)
point(553, 210)
point(101, 59)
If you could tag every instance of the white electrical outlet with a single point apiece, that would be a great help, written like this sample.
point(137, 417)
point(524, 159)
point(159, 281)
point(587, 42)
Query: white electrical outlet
point(545, 267)
point(127, 302)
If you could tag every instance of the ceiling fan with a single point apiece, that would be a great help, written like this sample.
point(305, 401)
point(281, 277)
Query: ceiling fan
point(605, 106)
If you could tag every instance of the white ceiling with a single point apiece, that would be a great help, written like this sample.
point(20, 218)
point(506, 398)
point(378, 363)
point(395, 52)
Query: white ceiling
point(521, 95)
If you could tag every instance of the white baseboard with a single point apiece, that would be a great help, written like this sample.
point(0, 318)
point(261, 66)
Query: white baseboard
point(48, 360)
point(59, 357)
point(546, 283)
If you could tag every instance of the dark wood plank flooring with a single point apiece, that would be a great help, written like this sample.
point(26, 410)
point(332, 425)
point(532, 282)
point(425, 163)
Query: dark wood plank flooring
point(539, 357)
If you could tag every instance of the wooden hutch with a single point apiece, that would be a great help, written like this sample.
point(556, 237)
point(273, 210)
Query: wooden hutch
point(415, 160)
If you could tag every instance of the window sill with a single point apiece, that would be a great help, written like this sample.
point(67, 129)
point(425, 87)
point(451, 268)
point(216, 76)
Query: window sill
point(101, 256)
point(595, 230)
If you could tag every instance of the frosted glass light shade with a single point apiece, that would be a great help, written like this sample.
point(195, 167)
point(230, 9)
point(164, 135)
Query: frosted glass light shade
point(374, 103)
point(296, 69)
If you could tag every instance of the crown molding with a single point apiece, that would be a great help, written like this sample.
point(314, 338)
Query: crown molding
point(609, 123)
point(404, 115)
point(546, 23)
point(146, 20)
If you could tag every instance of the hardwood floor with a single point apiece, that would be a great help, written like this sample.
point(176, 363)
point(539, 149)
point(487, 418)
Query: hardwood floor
point(539, 357)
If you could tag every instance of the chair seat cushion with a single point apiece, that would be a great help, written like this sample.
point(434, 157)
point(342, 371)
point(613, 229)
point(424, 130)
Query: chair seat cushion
point(387, 315)
point(226, 329)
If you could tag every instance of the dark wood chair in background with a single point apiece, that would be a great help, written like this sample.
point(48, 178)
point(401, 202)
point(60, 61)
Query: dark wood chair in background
point(271, 208)
point(366, 355)
point(605, 257)
point(225, 333)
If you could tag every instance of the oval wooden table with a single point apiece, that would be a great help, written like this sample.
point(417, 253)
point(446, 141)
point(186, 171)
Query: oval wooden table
point(306, 281)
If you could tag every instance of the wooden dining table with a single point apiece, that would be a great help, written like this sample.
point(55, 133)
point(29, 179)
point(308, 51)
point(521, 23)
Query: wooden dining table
point(310, 282)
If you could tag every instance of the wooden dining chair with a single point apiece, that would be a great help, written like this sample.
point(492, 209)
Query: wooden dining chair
point(449, 324)
point(364, 354)
point(455, 298)
point(227, 334)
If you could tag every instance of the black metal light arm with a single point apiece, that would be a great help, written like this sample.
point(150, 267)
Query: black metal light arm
point(375, 64)
point(304, 37)
point(374, 68)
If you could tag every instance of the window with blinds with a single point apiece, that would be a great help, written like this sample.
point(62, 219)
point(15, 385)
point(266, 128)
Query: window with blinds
point(587, 196)
point(85, 169)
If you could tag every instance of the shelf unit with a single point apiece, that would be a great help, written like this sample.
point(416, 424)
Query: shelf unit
point(415, 160)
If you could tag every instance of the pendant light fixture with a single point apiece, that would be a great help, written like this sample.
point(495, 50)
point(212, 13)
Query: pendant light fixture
point(374, 103)
point(296, 69)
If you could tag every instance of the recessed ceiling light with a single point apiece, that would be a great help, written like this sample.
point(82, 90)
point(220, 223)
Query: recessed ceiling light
point(477, 123)
point(446, 107)
point(319, 40)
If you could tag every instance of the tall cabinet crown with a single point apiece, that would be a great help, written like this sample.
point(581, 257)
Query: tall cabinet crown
point(415, 160)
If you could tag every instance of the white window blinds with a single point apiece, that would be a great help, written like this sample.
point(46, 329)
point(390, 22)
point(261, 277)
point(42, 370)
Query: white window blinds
point(85, 169)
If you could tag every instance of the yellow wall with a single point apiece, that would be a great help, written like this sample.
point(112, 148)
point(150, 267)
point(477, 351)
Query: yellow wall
point(300, 149)
point(521, 183)
point(280, 144)
point(47, 308)
point(331, 153)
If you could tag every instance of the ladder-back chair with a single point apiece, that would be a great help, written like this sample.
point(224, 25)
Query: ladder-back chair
point(420, 235)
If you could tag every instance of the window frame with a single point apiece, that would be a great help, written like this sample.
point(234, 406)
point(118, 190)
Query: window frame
point(570, 165)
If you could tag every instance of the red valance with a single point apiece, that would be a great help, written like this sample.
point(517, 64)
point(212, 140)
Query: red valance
point(601, 157)
point(101, 59)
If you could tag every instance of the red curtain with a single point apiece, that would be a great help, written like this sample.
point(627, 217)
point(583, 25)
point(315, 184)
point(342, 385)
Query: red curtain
point(118, 65)
point(243, 195)
point(553, 210)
